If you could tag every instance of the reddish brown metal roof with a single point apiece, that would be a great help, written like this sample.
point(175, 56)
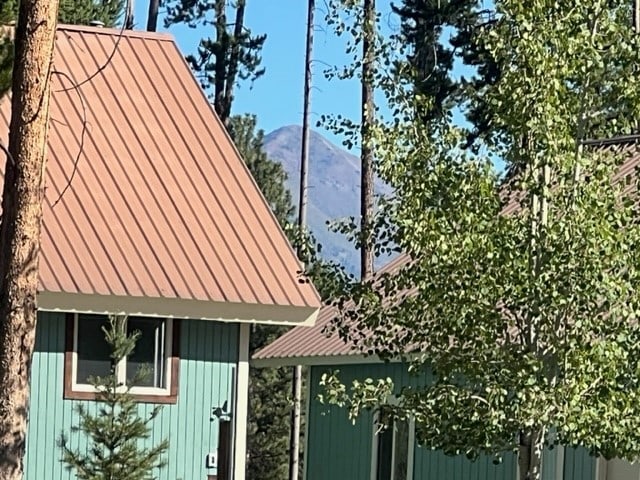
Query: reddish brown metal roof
point(302, 344)
point(160, 204)
point(312, 345)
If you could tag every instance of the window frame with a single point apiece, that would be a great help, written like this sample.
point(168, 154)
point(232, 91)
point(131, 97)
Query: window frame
point(375, 446)
point(80, 391)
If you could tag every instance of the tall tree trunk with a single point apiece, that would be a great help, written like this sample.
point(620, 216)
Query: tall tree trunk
point(152, 17)
point(222, 38)
point(21, 222)
point(296, 391)
point(128, 21)
point(530, 455)
point(366, 154)
point(234, 60)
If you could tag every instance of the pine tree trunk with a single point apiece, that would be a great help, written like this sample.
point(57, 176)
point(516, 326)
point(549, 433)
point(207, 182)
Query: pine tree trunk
point(128, 20)
point(234, 61)
point(530, 456)
point(21, 223)
point(366, 183)
point(222, 39)
point(296, 390)
point(152, 17)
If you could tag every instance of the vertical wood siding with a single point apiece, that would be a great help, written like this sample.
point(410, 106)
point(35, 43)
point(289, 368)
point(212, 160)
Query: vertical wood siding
point(578, 464)
point(208, 354)
point(338, 450)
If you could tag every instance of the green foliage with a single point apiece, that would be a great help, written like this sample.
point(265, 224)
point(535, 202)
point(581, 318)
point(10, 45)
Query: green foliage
point(269, 388)
point(520, 294)
point(269, 402)
point(269, 175)
point(115, 432)
point(75, 12)
point(79, 12)
point(234, 52)
point(442, 33)
point(8, 11)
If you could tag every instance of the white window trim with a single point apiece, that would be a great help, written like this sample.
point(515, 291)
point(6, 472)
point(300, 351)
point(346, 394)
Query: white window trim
point(410, 446)
point(121, 369)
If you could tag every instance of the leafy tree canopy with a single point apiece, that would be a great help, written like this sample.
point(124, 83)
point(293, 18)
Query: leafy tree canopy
point(521, 294)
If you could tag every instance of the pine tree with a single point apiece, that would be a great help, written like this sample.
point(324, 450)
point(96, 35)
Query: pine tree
point(76, 12)
point(269, 175)
point(81, 12)
point(268, 429)
point(234, 53)
point(115, 433)
point(269, 408)
point(425, 25)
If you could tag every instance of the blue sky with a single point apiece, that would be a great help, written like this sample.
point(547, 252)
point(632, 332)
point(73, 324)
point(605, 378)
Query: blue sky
point(276, 97)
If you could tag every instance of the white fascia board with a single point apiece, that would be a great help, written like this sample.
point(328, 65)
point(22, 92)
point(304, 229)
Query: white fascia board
point(177, 308)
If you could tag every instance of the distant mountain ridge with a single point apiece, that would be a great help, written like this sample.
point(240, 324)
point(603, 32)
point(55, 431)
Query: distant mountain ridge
point(334, 186)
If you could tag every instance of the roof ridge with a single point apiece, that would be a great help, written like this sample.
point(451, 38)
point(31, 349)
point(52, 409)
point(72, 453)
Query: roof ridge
point(164, 36)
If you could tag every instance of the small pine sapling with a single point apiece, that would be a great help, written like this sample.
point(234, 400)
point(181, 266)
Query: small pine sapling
point(116, 433)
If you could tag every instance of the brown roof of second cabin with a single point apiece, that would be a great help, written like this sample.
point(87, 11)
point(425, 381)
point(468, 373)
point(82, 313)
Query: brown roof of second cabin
point(318, 340)
point(159, 202)
point(306, 344)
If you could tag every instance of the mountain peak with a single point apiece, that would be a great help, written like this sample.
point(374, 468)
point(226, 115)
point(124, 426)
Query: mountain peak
point(334, 186)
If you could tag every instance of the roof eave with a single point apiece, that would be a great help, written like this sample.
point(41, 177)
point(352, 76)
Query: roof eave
point(178, 308)
point(319, 360)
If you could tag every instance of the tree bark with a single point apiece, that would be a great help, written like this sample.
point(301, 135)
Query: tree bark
point(296, 390)
point(234, 60)
point(222, 38)
point(366, 153)
point(152, 17)
point(128, 21)
point(21, 222)
point(530, 455)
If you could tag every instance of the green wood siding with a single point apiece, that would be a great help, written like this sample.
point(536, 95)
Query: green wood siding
point(208, 351)
point(337, 449)
point(578, 464)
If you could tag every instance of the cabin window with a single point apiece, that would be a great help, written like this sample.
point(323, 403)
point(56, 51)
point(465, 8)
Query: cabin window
point(151, 371)
point(393, 451)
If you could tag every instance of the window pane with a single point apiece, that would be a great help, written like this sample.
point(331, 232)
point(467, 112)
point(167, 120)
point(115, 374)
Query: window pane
point(147, 360)
point(401, 450)
point(94, 354)
point(385, 449)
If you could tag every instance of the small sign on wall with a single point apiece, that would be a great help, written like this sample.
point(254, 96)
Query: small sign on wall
point(210, 460)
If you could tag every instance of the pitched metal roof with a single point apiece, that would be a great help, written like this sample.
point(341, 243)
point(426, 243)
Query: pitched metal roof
point(321, 344)
point(159, 204)
point(309, 345)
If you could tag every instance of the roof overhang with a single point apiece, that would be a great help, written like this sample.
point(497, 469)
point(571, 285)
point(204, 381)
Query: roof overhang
point(313, 361)
point(177, 308)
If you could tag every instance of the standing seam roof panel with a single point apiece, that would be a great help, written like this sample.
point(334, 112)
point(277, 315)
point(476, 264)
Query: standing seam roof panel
point(160, 204)
point(191, 144)
point(268, 232)
point(102, 181)
point(222, 180)
point(129, 109)
point(172, 167)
